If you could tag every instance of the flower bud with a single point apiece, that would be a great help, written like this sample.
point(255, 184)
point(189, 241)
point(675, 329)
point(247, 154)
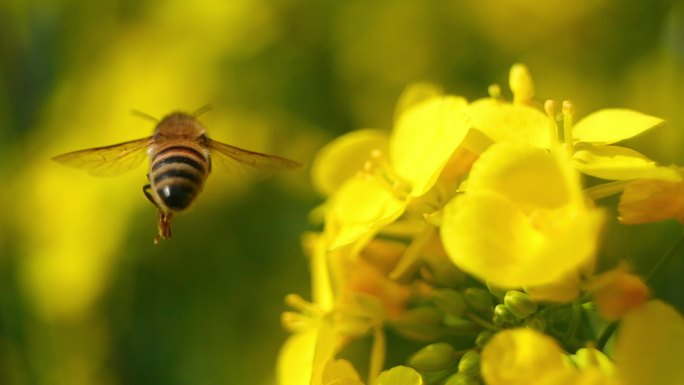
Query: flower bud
point(434, 357)
point(470, 363)
point(502, 315)
point(479, 300)
point(520, 304)
point(462, 379)
point(461, 326)
point(483, 338)
point(436, 377)
point(536, 322)
point(421, 323)
point(449, 301)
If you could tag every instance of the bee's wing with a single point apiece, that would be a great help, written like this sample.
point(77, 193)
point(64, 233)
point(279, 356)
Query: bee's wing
point(255, 163)
point(109, 160)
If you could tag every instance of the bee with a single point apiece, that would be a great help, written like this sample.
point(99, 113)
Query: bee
point(180, 156)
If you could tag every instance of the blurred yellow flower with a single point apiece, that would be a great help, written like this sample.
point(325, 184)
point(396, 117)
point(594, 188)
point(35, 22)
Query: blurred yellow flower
point(594, 155)
point(344, 157)
point(524, 357)
point(425, 136)
point(428, 130)
point(650, 346)
point(522, 220)
point(358, 209)
point(651, 200)
point(617, 292)
point(340, 372)
point(352, 297)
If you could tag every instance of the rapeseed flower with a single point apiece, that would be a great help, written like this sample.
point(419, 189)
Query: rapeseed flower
point(538, 225)
point(470, 221)
point(647, 351)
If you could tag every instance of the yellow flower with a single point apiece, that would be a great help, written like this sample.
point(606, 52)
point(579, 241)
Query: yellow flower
point(593, 136)
point(425, 136)
point(516, 122)
point(524, 357)
point(429, 128)
point(359, 209)
point(522, 220)
point(352, 297)
point(617, 292)
point(650, 346)
point(651, 200)
point(344, 157)
point(341, 372)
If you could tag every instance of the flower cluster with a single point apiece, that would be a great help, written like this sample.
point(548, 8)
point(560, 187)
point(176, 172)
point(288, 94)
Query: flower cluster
point(468, 229)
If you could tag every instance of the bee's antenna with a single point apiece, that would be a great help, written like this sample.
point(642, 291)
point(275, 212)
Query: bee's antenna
point(143, 115)
point(202, 110)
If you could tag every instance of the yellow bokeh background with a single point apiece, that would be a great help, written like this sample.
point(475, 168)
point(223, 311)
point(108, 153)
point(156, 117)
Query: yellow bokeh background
point(86, 298)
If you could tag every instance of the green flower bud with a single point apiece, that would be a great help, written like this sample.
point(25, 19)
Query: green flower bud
point(479, 300)
point(536, 322)
point(502, 315)
point(449, 301)
point(440, 271)
point(462, 379)
point(520, 304)
point(483, 338)
point(421, 324)
point(436, 377)
point(470, 363)
point(461, 326)
point(434, 357)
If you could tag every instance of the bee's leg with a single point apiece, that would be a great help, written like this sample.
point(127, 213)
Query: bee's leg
point(164, 219)
point(164, 226)
point(148, 194)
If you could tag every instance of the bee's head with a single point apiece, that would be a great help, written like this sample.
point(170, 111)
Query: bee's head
point(179, 125)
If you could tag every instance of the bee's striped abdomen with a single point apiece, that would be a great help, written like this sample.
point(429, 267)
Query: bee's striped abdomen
point(177, 174)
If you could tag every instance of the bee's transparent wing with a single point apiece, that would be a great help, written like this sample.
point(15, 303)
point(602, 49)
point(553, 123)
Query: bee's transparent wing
point(109, 160)
point(238, 160)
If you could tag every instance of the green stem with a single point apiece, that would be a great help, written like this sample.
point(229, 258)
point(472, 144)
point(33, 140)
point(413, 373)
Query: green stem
point(481, 321)
point(605, 335)
point(378, 353)
point(410, 261)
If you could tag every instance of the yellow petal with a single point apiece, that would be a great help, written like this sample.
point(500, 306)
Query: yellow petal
point(424, 138)
point(399, 375)
point(651, 200)
point(340, 372)
point(510, 123)
point(526, 175)
point(565, 288)
point(650, 346)
point(619, 163)
point(414, 94)
point(358, 209)
point(613, 125)
point(523, 357)
point(490, 237)
point(295, 360)
point(344, 157)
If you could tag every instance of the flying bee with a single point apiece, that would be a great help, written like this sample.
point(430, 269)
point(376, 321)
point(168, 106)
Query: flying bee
point(180, 156)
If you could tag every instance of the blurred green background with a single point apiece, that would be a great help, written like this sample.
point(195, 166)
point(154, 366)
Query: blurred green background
point(86, 298)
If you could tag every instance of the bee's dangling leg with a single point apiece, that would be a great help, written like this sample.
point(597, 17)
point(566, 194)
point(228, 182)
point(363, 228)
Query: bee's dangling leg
point(164, 219)
point(164, 226)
